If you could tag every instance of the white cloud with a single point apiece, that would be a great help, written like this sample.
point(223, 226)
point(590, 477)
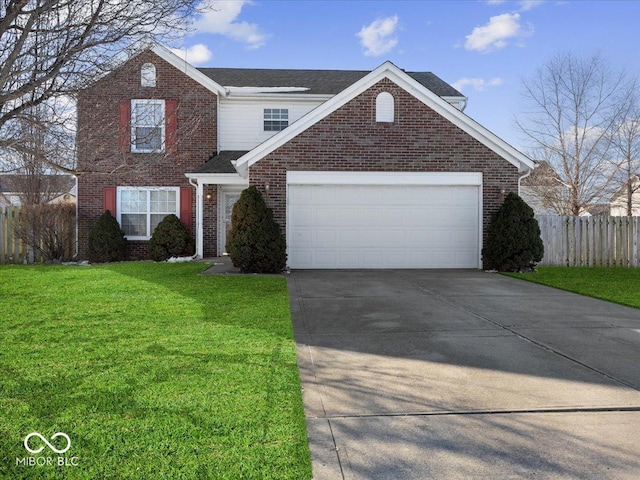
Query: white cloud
point(197, 54)
point(495, 2)
point(220, 17)
point(529, 4)
point(377, 38)
point(478, 84)
point(495, 34)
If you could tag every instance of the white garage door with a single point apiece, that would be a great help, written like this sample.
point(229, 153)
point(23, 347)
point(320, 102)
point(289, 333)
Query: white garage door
point(428, 223)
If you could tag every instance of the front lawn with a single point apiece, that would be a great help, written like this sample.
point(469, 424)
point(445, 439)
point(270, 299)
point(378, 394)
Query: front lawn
point(152, 371)
point(619, 285)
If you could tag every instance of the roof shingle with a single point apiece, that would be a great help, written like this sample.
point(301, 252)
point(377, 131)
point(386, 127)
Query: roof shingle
point(322, 82)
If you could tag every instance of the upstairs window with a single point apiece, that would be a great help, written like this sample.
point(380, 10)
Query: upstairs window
point(385, 108)
point(148, 75)
point(276, 119)
point(147, 126)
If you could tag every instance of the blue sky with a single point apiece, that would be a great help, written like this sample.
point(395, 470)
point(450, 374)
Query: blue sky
point(484, 48)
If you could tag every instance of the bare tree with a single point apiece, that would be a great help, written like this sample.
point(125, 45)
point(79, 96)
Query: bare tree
point(51, 48)
point(573, 107)
point(626, 143)
point(31, 178)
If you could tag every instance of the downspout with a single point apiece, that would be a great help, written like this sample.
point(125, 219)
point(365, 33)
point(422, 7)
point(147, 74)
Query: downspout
point(76, 248)
point(199, 214)
point(522, 178)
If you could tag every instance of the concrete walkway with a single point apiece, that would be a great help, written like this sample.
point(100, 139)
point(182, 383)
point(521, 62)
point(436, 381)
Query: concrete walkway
point(417, 374)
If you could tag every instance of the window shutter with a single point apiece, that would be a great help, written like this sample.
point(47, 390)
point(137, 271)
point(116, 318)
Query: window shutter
point(109, 200)
point(171, 113)
point(186, 206)
point(124, 126)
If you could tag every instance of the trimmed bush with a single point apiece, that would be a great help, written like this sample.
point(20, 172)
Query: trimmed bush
point(513, 237)
point(171, 238)
point(255, 242)
point(106, 240)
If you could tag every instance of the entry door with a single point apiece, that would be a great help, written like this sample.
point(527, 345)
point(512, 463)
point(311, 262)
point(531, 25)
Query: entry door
point(228, 197)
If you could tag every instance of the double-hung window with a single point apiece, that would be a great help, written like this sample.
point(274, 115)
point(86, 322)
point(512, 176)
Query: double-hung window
point(141, 209)
point(276, 119)
point(147, 126)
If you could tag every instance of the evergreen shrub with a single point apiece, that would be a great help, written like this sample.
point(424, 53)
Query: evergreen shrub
point(513, 237)
point(171, 238)
point(255, 242)
point(107, 242)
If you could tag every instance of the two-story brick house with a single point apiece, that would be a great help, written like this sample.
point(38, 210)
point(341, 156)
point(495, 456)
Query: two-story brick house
point(362, 169)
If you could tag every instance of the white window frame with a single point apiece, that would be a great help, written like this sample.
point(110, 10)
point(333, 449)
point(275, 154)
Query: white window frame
point(270, 111)
point(385, 108)
point(135, 124)
point(148, 75)
point(148, 212)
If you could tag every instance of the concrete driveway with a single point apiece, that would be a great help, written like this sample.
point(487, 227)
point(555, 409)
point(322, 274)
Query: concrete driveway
point(418, 374)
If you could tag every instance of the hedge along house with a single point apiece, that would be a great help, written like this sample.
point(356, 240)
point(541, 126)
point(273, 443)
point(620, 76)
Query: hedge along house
point(377, 169)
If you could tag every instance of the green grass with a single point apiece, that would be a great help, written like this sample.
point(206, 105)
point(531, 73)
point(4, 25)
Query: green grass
point(619, 285)
point(152, 370)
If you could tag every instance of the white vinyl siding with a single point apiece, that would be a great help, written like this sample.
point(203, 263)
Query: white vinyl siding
point(241, 124)
point(141, 209)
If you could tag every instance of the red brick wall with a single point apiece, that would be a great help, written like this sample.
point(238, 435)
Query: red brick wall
point(419, 140)
point(103, 164)
point(210, 223)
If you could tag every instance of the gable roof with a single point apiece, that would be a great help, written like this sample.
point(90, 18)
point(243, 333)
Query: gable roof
point(319, 82)
point(185, 67)
point(412, 86)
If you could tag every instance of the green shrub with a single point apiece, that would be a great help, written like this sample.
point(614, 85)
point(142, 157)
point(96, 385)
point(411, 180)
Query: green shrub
point(171, 238)
point(513, 237)
point(255, 242)
point(106, 240)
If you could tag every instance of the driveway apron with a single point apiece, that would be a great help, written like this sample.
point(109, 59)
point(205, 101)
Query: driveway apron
point(420, 374)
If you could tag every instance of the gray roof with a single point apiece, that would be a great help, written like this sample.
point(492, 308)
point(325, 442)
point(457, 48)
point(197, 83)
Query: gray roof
point(327, 82)
point(221, 163)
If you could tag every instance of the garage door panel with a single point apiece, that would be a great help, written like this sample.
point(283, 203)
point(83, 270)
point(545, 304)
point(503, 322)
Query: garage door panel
point(370, 238)
point(371, 195)
point(371, 226)
point(347, 216)
point(326, 237)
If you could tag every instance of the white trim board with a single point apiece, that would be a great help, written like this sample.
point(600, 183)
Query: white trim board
point(383, 178)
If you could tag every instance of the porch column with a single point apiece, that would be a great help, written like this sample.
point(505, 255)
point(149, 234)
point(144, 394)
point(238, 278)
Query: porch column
point(199, 217)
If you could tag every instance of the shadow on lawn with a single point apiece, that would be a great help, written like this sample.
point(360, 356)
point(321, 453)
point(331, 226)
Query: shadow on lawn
point(247, 301)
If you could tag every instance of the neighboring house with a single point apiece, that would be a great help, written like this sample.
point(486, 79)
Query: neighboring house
point(544, 191)
point(14, 189)
point(375, 169)
point(619, 207)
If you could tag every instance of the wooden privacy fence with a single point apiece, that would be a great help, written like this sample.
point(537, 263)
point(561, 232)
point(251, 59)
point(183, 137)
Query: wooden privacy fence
point(590, 241)
point(14, 250)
